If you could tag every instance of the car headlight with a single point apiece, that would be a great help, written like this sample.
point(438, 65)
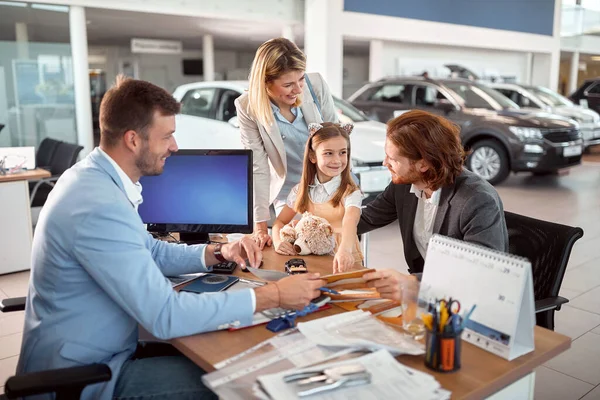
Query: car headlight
point(525, 134)
point(359, 166)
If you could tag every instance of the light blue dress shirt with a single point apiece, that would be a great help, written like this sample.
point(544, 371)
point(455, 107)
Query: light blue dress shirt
point(294, 135)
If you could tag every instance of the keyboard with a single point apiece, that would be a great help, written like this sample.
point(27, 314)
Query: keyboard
point(226, 267)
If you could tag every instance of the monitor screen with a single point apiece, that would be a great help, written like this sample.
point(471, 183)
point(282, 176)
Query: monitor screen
point(200, 191)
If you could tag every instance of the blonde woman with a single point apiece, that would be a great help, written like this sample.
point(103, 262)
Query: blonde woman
point(282, 100)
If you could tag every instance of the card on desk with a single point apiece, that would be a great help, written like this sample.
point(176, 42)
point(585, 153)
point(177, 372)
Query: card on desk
point(210, 283)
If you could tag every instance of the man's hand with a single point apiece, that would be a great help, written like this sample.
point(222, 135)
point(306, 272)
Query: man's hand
point(343, 261)
point(387, 282)
point(243, 249)
point(294, 292)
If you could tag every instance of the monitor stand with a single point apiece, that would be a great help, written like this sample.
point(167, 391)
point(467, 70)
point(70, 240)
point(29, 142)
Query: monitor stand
point(194, 238)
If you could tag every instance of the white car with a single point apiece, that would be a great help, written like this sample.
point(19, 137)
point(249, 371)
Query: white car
point(208, 120)
point(539, 97)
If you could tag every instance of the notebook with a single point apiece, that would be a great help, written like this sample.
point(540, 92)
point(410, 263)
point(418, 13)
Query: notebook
point(210, 283)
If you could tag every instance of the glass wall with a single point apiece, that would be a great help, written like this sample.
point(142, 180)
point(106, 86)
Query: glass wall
point(36, 94)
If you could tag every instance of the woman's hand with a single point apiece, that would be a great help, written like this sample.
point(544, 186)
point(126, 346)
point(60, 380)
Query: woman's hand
point(262, 238)
point(343, 261)
point(284, 248)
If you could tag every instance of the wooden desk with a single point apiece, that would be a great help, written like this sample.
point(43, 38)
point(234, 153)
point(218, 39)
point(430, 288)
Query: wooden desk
point(15, 213)
point(482, 373)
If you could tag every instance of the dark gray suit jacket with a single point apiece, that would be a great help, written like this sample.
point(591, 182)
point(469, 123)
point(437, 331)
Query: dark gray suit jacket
point(469, 210)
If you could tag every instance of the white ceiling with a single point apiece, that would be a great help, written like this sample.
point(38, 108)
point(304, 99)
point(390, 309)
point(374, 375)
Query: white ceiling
point(116, 28)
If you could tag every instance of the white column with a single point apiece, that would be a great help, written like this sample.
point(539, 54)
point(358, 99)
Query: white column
point(81, 78)
point(288, 32)
point(323, 42)
point(528, 68)
point(555, 55)
point(375, 60)
point(208, 58)
point(22, 40)
point(573, 73)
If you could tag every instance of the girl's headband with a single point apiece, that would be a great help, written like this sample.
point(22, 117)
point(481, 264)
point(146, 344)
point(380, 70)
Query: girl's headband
point(314, 128)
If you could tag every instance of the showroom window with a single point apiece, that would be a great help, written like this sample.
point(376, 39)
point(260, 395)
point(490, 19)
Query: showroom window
point(198, 102)
point(390, 93)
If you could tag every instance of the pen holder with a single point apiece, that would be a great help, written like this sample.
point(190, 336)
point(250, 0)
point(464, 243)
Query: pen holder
point(442, 350)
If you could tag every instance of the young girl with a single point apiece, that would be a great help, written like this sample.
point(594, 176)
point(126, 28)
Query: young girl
point(327, 190)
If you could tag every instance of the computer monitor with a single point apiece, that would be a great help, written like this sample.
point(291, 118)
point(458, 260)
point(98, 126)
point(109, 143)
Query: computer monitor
point(200, 192)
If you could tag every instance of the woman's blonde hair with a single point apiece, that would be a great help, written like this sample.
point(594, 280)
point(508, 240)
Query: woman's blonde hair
point(273, 58)
point(328, 131)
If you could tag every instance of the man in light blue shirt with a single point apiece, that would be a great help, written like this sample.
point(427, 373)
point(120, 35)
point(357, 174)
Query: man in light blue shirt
point(96, 273)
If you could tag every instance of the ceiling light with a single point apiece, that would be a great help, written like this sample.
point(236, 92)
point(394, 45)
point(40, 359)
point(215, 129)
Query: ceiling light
point(50, 7)
point(12, 4)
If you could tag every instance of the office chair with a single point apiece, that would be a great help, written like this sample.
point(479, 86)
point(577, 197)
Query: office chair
point(548, 246)
point(64, 157)
point(67, 383)
point(45, 153)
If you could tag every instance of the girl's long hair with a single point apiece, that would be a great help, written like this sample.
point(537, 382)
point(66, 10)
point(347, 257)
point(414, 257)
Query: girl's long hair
point(273, 58)
point(309, 170)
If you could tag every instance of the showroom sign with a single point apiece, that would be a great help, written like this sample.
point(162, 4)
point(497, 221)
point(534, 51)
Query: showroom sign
point(156, 46)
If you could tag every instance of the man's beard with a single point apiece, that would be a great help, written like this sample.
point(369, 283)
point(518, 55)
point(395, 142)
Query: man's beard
point(409, 178)
point(148, 164)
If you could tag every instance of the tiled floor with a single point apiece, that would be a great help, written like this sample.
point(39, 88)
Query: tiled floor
point(572, 199)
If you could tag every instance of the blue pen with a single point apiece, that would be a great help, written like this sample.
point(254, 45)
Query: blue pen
point(327, 290)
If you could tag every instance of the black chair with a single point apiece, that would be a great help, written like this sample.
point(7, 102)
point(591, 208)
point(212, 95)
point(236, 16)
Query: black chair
point(45, 153)
point(67, 383)
point(548, 246)
point(64, 157)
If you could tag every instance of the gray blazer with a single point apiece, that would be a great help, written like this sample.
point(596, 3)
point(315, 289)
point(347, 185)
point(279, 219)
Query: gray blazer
point(469, 210)
point(270, 166)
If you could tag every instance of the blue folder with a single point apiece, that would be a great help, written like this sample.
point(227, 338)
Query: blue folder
point(210, 283)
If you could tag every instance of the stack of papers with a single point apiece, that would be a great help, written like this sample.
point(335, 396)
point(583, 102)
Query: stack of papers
point(389, 380)
point(358, 329)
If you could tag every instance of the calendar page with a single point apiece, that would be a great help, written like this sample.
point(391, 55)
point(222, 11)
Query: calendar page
point(500, 286)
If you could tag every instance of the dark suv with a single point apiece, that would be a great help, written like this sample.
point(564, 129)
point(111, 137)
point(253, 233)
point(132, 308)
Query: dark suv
point(502, 137)
point(588, 92)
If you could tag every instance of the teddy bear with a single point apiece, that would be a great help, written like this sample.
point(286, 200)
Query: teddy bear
point(309, 235)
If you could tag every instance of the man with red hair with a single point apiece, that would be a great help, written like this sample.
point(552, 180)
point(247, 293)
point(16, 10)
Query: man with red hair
point(431, 192)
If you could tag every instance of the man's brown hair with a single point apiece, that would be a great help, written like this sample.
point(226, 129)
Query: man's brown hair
point(130, 105)
point(419, 135)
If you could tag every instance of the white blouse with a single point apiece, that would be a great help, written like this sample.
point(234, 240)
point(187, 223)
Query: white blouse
point(323, 192)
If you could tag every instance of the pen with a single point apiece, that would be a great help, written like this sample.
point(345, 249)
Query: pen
point(327, 290)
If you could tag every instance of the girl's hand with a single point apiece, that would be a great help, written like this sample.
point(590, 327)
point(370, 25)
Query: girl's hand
point(262, 238)
point(343, 261)
point(285, 248)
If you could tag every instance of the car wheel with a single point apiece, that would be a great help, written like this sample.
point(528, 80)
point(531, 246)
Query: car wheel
point(488, 159)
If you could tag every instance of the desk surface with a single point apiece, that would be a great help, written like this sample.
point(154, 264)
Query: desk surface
point(481, 375)
point(37, 173)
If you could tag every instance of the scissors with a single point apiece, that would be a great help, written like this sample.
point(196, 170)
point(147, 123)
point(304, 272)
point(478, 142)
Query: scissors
point(322, 380)
point(453, 306)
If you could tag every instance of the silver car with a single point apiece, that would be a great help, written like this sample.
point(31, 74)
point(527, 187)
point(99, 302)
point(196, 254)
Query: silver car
point(539, 97)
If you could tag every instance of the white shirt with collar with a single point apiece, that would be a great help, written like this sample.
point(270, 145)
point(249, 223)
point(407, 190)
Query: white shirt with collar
point(424, 218)
point(320, 193)
point(134, 194)
point(133, 191)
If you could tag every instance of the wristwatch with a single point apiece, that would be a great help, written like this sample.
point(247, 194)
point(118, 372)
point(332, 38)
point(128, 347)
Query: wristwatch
point(217, 253)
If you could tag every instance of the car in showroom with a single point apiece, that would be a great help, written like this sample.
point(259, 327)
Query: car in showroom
point(588, 95)
point(541, 98)
point(500, 136)
point(208, 120)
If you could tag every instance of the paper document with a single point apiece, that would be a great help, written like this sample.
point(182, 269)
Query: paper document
point(389, 380)
point(236, 378)
point(358, 329)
